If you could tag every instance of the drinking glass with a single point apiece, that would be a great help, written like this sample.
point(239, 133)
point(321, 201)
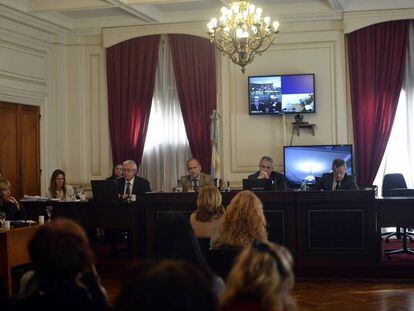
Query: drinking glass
point(49, 210)
point(2, 218)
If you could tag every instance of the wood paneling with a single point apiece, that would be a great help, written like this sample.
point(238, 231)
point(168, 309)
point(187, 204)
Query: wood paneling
point(29, 164)
point(19, 147)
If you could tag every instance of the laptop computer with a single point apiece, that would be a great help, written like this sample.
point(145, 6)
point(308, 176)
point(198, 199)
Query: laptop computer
point(105, 191)
point(259, 184)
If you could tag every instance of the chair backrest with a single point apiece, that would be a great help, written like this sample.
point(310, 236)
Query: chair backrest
point(204, 244)
point(401, 192)
point(221, 260)
point(392, 181)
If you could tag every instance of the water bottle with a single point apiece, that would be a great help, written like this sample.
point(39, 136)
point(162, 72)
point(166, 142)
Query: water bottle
point(303, 186)
point(228, 186)
point(179, 187)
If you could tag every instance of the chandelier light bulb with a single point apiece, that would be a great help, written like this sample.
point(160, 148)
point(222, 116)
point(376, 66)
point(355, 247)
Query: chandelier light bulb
point(242, 32)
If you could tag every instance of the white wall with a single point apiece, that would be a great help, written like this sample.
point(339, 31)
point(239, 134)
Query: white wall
point(65, 74)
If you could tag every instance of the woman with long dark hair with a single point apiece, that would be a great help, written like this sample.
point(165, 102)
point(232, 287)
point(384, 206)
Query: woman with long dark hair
point(58, 189)
point(116, 172)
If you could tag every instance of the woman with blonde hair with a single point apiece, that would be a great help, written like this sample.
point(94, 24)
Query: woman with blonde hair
point(243, 222)
point(209, 212)
point(261, 280)
point(8, 204)
point(58, 188)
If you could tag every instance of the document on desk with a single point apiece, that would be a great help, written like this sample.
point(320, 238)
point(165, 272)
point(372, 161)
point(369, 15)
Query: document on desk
point(34, 198)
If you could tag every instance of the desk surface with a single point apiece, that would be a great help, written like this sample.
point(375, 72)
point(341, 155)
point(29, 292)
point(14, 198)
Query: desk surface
point(13, 251)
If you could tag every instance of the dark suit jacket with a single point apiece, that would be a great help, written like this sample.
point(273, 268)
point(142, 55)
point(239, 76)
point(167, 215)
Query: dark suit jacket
point(203, 181)
point(141, 185)
point(326, 181)
point(277, 177)
point(11, 210)
point(261, 107)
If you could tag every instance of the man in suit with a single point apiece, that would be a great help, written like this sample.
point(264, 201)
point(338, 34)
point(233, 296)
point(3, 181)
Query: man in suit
point(195, 177)
point(257, 106)
point(266, 166)
point(338, 179)
point(130, 183)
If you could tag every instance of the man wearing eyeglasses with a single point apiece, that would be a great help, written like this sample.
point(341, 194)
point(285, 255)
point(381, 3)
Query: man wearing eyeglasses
point(338, 179)
point(130, 183)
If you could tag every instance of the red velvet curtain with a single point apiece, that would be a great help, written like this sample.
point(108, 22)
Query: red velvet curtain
point(195, 75)
point(376, 56)
point(131, 67)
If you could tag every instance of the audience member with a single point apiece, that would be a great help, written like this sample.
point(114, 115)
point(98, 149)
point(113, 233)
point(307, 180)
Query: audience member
point(130, 183)
point(338, 179)
point(260, 280)
point(266, 166)
point(195, 178)
point(116, 172)
point(175, 240)
point(58, 189)
point(209, 212)
point(64, 277)
point(8, 204)
point(243, 222)
point(165, 285)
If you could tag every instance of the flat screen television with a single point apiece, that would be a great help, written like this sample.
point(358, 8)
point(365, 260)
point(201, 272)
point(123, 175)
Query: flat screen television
point(310, 162)
point(280, 94)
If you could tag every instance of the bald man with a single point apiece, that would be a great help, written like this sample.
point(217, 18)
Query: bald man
point(195, 178)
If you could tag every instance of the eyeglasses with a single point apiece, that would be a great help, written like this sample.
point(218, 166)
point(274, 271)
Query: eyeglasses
point(128, 170)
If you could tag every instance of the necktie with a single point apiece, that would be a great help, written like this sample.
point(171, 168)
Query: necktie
point(338, 184)
point(195, 184)
point(128, 189)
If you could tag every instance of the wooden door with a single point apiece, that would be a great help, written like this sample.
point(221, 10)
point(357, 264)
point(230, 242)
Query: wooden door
point(20, 148)
point(29, 150)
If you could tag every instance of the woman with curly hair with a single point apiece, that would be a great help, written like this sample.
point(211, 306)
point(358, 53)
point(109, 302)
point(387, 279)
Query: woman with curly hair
point(261, 280)
point(209, 212)
point(243, 222)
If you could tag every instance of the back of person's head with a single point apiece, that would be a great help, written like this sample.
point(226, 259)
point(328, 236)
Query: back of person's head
point(165, 285)
point(262, 274)
point(209, 203)
point(60, 250)
point(175, 239)
point(244, 220)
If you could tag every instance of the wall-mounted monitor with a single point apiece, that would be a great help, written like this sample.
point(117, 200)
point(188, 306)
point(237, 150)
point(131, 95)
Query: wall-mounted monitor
point(310, 162)
point(279, 94)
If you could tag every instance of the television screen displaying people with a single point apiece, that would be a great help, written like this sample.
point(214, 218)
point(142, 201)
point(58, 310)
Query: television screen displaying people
point(307, 163)
point(280, 94)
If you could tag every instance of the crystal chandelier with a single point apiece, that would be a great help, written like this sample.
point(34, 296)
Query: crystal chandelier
point(242, 32)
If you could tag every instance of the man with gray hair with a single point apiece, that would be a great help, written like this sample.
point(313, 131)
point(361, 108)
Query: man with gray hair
point(266, 166)
point(130, 183)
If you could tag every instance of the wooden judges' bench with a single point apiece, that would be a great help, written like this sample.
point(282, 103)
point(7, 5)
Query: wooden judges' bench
point(320, 228)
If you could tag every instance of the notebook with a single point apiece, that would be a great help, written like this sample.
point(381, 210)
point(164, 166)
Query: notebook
point(104, 191)
point(259, 184)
